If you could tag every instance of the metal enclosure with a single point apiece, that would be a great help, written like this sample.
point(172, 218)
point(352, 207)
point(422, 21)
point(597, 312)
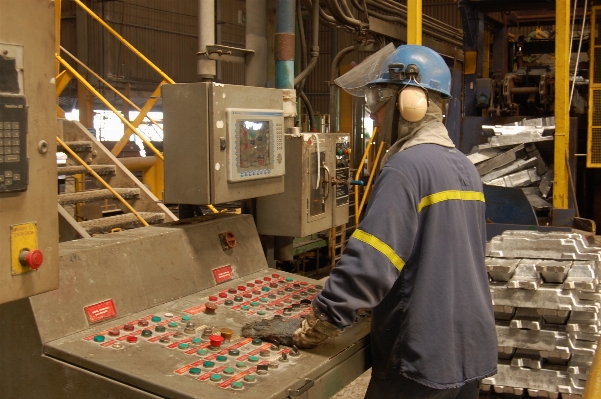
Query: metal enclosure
point(168, 271)
point(28, 194)
point(204, 145)
point(314, 199)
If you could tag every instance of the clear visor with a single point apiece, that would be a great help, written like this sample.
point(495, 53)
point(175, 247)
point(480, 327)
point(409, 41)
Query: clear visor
point(377, 96)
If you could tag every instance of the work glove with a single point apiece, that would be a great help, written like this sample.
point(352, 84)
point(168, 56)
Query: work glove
point(303, 333)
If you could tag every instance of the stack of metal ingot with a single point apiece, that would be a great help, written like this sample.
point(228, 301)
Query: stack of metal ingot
point(511, 158)
point(547, 302)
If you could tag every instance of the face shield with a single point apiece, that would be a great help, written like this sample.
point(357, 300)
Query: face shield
point(377, 96)
point(355, 81)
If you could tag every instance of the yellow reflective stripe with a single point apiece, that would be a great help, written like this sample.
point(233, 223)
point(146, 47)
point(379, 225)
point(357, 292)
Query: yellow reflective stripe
point(450, 195)
point(380, 246)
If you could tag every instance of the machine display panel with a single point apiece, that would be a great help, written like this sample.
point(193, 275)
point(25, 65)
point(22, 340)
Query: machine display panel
point(255, 144)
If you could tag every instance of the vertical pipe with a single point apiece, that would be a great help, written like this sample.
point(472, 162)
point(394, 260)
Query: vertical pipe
point(256, 39)
point(206, 68)
point(414, 22)
point(218, 38)
point(284, 44)
point(562, 120)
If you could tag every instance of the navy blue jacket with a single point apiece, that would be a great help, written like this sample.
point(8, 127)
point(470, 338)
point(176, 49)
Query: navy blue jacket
point(417, 260)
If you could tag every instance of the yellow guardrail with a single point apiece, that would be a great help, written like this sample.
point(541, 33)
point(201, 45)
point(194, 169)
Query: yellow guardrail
point(359, 204)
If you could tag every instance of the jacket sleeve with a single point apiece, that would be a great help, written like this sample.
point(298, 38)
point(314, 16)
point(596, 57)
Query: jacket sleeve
point(375, 254)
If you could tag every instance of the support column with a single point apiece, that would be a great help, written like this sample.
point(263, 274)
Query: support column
point(414, 22)
point(562, 104)
point(256, 39)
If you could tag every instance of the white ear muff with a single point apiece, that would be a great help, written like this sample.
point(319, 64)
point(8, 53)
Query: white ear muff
point(413, 104)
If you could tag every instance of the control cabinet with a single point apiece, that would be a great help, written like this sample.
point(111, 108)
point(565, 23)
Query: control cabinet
point(222, 142)
point(28, 179)
point(316, 195)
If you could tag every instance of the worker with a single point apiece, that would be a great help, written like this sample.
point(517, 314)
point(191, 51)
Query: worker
point(417, 258)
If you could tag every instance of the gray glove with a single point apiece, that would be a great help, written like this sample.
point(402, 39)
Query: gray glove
point(313, 331)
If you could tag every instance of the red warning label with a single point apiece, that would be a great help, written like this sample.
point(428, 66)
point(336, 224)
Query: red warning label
point(223, 273)
point(100, 311)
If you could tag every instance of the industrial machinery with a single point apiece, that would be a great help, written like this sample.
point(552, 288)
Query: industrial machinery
point(28, 217)
point(228, 139)
point(316, 194)
point(156, 312)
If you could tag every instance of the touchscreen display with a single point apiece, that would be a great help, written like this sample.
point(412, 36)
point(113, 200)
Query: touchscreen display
point(254, 143)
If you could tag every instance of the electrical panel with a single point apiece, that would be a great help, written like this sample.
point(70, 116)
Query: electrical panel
point(222, 142)
point(28, 179)
point(316, 195)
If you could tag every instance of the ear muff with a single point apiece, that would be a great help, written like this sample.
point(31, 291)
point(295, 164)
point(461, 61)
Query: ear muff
point(413, 103)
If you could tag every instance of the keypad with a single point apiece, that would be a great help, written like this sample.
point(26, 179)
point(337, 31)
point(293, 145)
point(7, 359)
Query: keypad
point(13, 156)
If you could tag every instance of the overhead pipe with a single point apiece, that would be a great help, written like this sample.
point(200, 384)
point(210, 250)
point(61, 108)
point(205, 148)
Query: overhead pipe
point(334, 89)
point(314, 44)
point(256, 39)
point(206, 68)
point(300, 86)
point(337, 12)
point(284, 43)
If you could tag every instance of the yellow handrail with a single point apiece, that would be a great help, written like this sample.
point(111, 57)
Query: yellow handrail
point(101, 180)
point(109, 105)
point(122, 40)
point(107, 84)
point(371, 177)
point(358, 175)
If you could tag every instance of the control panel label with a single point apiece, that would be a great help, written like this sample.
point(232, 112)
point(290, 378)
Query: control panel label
point(222, 274)
point(23, 238)
point(101, 311)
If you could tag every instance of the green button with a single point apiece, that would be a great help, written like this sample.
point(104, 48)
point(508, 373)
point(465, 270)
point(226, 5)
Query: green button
point(186, 318)
point(196, 340)
point(237, 385)
point(241, 365)
point(289, 279)
point(172, 324)
point(221, 358)
point(208, 364)
point(263, 299)
point(146, 333)
point(261, 312)
point(160, 329)
point(340, 151)
point(266, 289)
point(99, 338)
point(257, 341)
point(234, 352)
point(155, 319)
point(183, 345)
point(195, 370)
point(244, 307)
point(215, 377)
point(202, 352)
point(228, 370)
point(254, 304)
point(253, 358)
point(249, 378)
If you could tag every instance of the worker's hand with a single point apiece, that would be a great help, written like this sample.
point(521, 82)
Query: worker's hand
point(276, 330)
point(313, 332)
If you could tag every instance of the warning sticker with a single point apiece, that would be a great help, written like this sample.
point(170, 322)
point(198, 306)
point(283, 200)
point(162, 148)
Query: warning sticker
point(223, 273)
point(100, 311)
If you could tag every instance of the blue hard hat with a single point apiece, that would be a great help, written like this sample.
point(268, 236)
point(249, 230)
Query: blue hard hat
point(416, 66)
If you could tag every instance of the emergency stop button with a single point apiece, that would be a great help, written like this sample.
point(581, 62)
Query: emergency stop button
point(33, 259)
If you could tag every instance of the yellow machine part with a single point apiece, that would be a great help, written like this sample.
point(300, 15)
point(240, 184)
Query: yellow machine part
point(23, 237)
point(593, 149)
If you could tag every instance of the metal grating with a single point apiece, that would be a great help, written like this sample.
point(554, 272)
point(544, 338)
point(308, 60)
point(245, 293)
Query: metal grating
point(597, 66)
point(596, 107)
point(596, 146)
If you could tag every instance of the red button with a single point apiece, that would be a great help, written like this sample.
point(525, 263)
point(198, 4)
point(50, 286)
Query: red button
point(128, 327)
point(223, 295)
point(216, 340)
point(232, 290)
point(250, 285)
point(256, 292)
point(258, 281)
point(114, 332)
point(132, 339)
point(267, 278)
point(345, 151)
point(247, 295)
point(213, 298)
point(143, 323)
point(33, 259)
point(275, 275)
point(304, 283)
point(241, 288)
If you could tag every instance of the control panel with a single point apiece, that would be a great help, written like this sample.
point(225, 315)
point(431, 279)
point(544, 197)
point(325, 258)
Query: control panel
point(316, 195)
point(228, 139)
point(254, 138)
point(28, 179)
point(13, 144)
